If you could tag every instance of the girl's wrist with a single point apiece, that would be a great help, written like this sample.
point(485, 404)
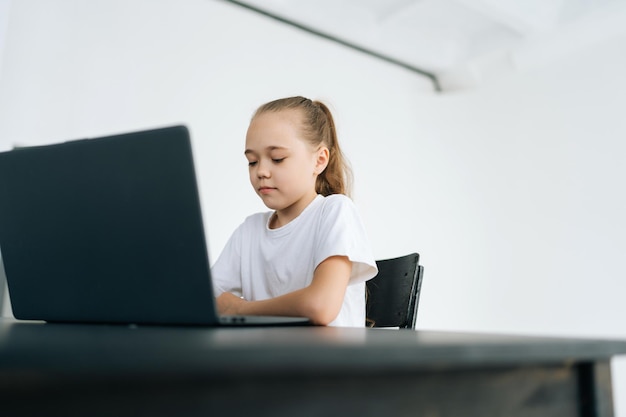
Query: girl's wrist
point(240, 308)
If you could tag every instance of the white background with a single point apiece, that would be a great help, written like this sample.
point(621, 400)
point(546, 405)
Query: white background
point(512, 192)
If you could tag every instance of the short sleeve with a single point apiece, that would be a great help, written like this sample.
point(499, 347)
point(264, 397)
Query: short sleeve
point(341, 233)
point(226, 272)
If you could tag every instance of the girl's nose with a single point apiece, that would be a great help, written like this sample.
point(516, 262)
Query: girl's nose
point(263, 170)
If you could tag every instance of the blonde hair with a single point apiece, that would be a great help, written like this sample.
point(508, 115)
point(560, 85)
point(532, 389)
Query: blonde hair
point(318, 128)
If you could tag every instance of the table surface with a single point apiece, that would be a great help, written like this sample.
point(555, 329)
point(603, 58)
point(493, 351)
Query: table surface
point(105, 349)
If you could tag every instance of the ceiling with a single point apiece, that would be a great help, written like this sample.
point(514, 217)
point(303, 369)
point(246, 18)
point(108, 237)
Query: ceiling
point(457, 43)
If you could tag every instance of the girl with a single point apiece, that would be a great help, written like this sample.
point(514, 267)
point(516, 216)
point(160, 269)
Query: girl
point(310, 255)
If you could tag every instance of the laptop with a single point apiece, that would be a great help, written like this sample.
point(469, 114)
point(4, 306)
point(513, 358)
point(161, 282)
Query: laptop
point(109, 230)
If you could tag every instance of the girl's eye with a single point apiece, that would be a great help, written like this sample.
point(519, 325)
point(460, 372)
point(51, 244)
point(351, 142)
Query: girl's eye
point(278, 160)
point(251, 163)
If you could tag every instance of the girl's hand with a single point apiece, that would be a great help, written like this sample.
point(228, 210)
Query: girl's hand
point(321, 301)
point(229, 303)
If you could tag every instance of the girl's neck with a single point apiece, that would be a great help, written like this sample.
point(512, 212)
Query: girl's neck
point(284, 216)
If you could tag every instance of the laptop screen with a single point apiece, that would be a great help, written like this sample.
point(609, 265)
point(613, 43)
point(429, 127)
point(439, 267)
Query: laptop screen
point(106, 230)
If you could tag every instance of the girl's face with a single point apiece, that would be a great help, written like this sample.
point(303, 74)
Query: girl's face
point(283, 166)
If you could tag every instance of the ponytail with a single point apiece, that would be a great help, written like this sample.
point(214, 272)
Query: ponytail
point(318, 128)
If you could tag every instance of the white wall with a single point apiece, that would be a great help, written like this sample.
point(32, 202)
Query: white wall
point(513, 192)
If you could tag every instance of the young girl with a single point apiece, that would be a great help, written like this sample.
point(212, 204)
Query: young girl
point(310, 255)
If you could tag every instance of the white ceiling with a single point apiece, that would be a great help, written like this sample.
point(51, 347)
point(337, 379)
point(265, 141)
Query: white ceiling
point(462, 42)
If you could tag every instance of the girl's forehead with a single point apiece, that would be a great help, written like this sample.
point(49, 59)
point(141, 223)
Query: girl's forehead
point(274, 129)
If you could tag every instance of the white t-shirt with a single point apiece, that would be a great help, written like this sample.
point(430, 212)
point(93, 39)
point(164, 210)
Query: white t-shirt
point(260, 263)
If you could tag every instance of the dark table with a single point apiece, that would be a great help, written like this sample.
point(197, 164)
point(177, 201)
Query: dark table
point(115, 370)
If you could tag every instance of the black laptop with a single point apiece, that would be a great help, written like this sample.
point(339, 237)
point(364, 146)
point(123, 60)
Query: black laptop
point(109, 230)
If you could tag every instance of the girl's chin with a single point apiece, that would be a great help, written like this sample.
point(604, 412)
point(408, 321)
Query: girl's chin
point(270, 203)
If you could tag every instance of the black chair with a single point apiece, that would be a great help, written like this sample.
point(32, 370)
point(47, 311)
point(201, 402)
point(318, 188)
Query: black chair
point(393, 294)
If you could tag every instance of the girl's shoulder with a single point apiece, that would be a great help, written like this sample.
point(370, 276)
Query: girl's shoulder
point(337, 200)
point(255, 221)
point(338, 203)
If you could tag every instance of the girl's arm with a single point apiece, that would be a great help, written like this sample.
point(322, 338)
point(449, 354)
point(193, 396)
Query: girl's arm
point(320, 302)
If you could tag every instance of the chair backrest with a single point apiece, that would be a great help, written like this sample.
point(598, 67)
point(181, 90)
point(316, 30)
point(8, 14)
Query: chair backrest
point(393, 294)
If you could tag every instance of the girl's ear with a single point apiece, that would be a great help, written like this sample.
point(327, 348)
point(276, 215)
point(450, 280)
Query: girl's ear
point(322, 160)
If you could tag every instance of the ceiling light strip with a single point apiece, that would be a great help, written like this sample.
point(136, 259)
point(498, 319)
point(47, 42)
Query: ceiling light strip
point(429, 75)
